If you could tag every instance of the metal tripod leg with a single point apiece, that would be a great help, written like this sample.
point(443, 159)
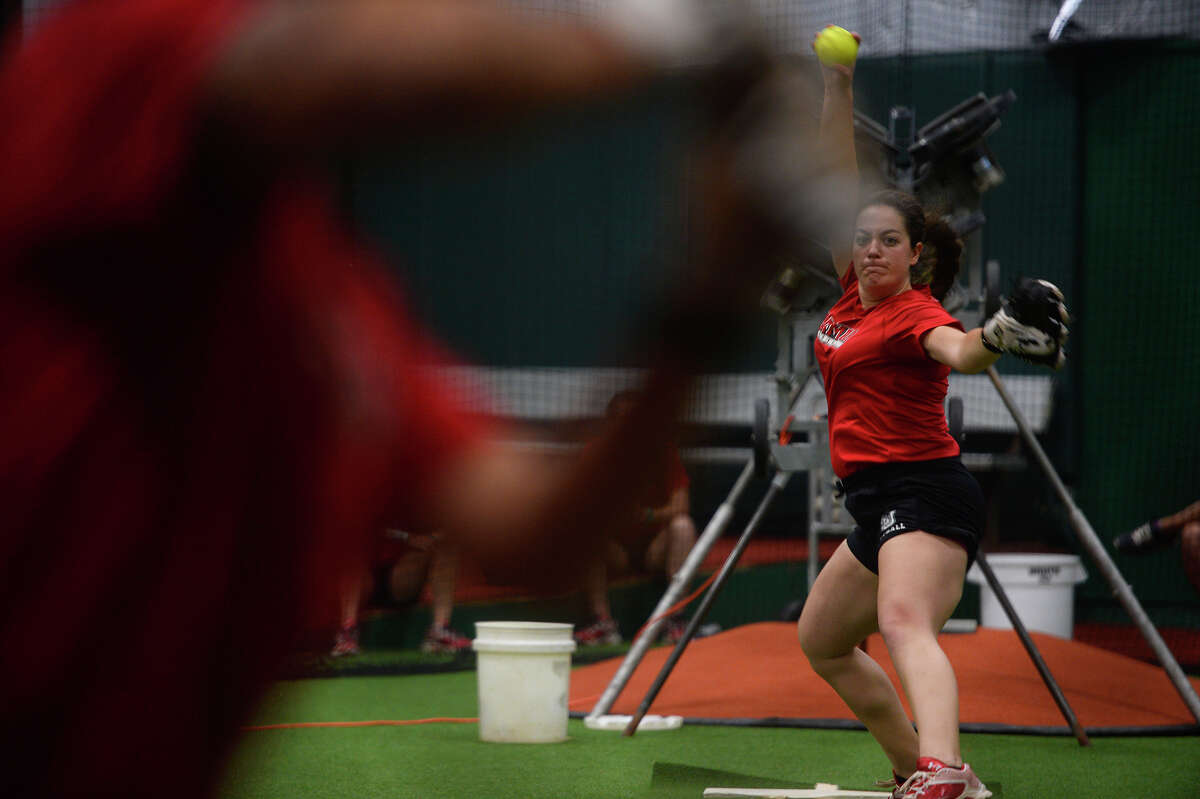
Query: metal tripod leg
point(679, 581)
point(1091, 543)
point(1059, 698)
point(777, 484)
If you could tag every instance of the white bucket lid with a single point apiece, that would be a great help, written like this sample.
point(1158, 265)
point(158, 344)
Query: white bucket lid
point(1032, 568)
point(523, 637)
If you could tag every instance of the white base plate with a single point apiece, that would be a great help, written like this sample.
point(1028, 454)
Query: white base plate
point(648, 723)
point(823, 790)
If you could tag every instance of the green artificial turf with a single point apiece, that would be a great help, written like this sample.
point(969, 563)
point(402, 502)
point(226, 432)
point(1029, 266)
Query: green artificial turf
point(375, 662)
point(448, 760)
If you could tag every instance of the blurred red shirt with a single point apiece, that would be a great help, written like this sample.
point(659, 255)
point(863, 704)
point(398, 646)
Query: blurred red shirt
point(210, 400)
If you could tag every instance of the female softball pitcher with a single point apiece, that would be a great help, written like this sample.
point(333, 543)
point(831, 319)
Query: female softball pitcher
point(885, 351)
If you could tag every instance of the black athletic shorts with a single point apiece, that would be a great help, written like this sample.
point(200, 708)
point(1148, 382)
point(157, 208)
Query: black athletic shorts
point(938, 496)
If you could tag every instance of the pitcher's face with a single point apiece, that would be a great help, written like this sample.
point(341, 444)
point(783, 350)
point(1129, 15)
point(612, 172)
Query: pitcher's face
point(883, 254)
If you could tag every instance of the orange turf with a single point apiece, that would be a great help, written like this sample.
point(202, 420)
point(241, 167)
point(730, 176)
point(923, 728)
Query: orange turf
point(758, 671)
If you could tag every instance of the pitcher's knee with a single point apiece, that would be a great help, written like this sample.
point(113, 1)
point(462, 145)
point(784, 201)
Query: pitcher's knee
point(807, 639)
point(901, 623)
point(826, 666)
point(682, 531)
point(824, 660)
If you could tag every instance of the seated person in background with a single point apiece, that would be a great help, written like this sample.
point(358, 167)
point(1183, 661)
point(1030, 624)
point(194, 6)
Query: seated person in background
point(659, 543)
point(402, 566)
point(1159, 533)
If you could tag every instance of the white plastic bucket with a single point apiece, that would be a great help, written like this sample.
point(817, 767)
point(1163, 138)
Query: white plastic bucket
point(524, 670)
point(1041, 588)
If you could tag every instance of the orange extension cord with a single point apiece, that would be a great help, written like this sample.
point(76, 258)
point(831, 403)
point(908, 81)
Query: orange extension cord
point(298, 725)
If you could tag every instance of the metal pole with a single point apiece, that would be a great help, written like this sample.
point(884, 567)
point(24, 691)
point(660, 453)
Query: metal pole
point(815, 497)
point(1059, 698)
point(679, 581)
point(1062, 18)
point(1091, 544)
point(777, 484)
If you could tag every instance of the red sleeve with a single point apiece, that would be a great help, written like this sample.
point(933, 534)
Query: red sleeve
point(912, 320)
point(679, 475)
point(94, 139)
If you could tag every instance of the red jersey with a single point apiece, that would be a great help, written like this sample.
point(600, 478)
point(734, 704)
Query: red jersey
point(885, 394)
point(210, 400)
point(677, 477)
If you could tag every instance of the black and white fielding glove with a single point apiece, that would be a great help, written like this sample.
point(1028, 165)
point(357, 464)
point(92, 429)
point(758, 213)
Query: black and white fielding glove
point(1031, 324)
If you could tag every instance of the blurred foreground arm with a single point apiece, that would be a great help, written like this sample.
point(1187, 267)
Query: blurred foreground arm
point(310, 76)
point(538, 522)
point(314, 75)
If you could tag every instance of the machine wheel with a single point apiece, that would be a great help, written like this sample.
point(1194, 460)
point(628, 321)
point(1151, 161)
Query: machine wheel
point(991, 296)
point(760, 442)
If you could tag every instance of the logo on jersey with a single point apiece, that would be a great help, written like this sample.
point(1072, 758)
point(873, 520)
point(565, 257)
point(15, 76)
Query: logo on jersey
point(834, 334)
point(888, 523)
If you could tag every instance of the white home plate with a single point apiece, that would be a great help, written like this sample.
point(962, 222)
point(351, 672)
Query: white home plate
point(617, 722)
point(822, 790)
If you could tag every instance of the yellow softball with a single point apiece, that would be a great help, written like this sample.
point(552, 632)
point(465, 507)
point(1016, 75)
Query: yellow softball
point(836, 45)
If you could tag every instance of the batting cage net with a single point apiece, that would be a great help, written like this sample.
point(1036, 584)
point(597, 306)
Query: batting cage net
point(912, 27)
point(921, 27)
point(538, 260)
